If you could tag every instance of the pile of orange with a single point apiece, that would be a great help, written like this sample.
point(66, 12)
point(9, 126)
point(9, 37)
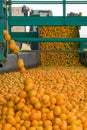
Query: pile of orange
point(44, 98)
point(59, 58)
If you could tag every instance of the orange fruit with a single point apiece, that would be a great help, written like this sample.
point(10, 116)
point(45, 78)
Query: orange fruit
point(11, 120)
point(16, 50)
point(33, 100)
point(24, 115)
point(27, 123)
point(20, 63)
point(7, 37)
point(32, 128)
point(47, 123)
point(27, 81)
point(22, 70)
point(57, 111)
point(34, 123)
point(5, 32)
point(49, 127)
point(22, 128)
point(37, 105)
point(19, 106)
point(64, 125)
point(39, 128)
point(7, 126)
point(22, 94)
point(50, 115)
point(34, 116)
point(28, 87)
point(13, 128)
point(12, 46)
point(57, 121)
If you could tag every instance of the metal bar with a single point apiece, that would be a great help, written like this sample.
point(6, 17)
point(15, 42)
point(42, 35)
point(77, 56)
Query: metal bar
point(64, 10)
point(36, 2)
point(10, 10)
point(2, 22)
point(51, 51)
point(48, 2)
point(24, 39)
point(24, 34)
point(76, 2)
point(47, 21)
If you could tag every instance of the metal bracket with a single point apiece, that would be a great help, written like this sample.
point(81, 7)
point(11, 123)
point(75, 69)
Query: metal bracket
point(8, 3)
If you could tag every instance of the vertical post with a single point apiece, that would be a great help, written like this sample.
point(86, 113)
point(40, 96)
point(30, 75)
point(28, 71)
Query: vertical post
point(64, 10)
point(10, 14)
point(1, 21)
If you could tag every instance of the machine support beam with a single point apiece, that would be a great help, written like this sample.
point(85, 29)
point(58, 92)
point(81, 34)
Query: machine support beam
point(47, 21)
point(24, 39)
point(24, 34)
point(47, 2)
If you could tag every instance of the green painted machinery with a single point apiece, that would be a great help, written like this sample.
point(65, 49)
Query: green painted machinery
point(8, 21)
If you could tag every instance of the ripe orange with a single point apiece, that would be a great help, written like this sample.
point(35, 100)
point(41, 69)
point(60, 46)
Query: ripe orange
point(32, 128)
point(11, 120)
point(19, 106)
point(27, 123)
point(22, 94)
point(49, 127)
point(34, 123)
point(7, 126)
point(34, 116)
point(39, 128)
point(20, 63)
point(47, 123)
point(16, 50)
point(57, 111)
point(27, 81)
point(5, 32)
point(50, 115)
point(7, 37)
point(37, 105)
point(22, 70)
point(22, 128)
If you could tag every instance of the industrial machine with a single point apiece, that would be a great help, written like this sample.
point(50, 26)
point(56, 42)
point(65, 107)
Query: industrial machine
point(34, 21)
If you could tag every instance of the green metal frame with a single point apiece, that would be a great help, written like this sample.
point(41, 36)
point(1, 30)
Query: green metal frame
point(40, 21)
point(48, 21)
point(2, 27)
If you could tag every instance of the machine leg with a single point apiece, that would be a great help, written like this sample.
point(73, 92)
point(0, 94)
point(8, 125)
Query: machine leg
point(83, 58)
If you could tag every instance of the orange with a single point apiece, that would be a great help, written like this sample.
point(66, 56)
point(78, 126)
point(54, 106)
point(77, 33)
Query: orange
point(22, 70)
point(27, 123)
point(5, 32)
point(20, 63)
point(34, 123)
point(22, 128)
point(37, 105)
point(57, 111)
point(22, 94)
point(7, 126)
point(11, 120)
point(39, 128)
point(49, 127)
point(16, 50)
point(28, 87)
point(32, 128)
point(47, 123)
point(19, 106)
point(50, 115)
point(7, 37)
